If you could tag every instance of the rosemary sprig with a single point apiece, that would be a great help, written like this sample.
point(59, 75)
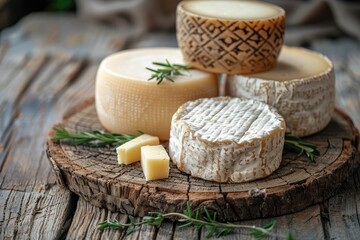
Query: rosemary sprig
point(167, 71)
point(192, 218)
point(94, 138)
point(97, 138)
point(297, 145)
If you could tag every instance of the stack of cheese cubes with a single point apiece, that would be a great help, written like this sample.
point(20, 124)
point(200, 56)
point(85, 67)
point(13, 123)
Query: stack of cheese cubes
point(271, 89)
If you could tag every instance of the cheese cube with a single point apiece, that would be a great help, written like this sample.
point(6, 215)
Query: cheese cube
point(130, 152)
point(155, 162)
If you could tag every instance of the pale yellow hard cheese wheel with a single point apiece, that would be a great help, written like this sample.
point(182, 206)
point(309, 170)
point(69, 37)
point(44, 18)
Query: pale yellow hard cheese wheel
point(127, 102)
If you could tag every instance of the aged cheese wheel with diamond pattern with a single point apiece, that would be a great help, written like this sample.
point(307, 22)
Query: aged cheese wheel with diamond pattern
point(227, 139)
point(301, 87)
point(232, 37)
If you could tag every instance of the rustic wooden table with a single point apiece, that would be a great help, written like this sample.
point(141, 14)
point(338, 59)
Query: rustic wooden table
point(47, 65)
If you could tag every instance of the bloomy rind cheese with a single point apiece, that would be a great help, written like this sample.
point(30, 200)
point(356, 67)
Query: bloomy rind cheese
point(227, 139)
point(307, 104)
point(228, 45)
point(127, 102)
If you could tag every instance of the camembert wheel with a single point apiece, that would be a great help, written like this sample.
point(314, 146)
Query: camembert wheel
point(227, 139)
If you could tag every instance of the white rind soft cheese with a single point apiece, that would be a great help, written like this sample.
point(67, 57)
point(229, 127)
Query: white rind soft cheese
point(301, 88)
point(127, 102)
point(227, 139)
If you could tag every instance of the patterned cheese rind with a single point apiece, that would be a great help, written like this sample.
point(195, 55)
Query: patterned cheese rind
point(229, 46)
point(227, 139)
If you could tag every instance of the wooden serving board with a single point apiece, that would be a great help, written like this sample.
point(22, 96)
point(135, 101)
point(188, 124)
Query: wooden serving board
point(94, 175)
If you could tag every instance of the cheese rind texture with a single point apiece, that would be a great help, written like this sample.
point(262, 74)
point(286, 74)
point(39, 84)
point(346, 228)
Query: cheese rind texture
point(155, 162)
point(301, 88)
point(127, 102)
point(227, 139)
point(130, 151)
point(215, 38)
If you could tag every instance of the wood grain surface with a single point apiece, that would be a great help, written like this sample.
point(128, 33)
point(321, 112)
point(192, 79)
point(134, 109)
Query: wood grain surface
point(33, 206)
point(94, 175)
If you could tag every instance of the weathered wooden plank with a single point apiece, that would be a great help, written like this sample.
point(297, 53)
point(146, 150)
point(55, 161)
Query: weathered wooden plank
point(4, 46)
point(18, 76)
point(28, 128)
point(303, 225)
point(34, 215)
point(345, 55)
point(354, 65)
point(341, 214)
point(86, 219)
point(147, 232)
point(83, 88)
point(166, 231)
point(8, 70)
point(64, 33)
point(185, 233)
point(86, 228)
point(32, 206)
point(336, 50)
point(156, 39)
point(6, 105)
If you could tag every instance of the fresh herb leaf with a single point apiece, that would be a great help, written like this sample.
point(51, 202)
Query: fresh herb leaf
point(263, 232)
point(297, 145)
point(290, 236)
point(167, 71)
point(191, 218)
point(94, 138)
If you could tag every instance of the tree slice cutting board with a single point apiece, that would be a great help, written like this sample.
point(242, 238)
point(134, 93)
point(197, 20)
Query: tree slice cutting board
point(94, 175)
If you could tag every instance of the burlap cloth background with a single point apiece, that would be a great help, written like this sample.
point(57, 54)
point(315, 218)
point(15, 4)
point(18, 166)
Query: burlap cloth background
point(306, 19)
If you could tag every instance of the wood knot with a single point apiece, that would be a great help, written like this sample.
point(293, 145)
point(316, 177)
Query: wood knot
point(261, 193)
point(46, 186)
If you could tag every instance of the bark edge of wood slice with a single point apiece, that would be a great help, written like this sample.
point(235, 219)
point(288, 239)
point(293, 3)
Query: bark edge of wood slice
point(94, 175)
